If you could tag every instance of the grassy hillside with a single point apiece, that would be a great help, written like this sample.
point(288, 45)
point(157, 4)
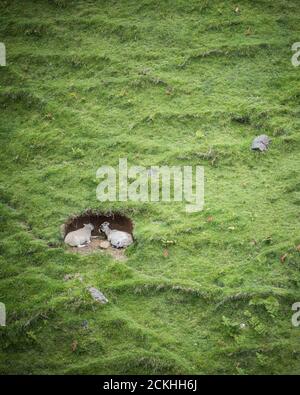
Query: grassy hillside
point(159, 82)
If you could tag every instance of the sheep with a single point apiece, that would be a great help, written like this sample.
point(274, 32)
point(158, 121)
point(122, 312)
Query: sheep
point(80, 237)
point(117, 238)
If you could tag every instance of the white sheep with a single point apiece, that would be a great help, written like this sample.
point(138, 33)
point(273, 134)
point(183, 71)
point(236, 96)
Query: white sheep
point(117, 238)
point(80, 237)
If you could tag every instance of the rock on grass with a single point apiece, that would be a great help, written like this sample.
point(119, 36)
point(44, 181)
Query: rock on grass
point(97, 295)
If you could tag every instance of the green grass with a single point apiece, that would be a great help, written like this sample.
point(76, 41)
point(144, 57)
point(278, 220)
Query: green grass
point(158, 82)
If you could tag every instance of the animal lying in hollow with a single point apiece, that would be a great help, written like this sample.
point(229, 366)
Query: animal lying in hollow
point(80, 237)
point(117, 238)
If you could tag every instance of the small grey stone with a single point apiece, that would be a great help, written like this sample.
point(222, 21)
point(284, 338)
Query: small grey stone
point(104, 244)
point(260, 143)
point(97, 295)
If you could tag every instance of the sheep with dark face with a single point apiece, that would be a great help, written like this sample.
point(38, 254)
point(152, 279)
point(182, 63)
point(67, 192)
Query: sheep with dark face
point(117, 238)
point(80, 237)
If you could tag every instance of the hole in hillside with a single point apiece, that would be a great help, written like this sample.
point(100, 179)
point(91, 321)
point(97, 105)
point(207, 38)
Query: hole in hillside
point(116, 220)
point(243, 119)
